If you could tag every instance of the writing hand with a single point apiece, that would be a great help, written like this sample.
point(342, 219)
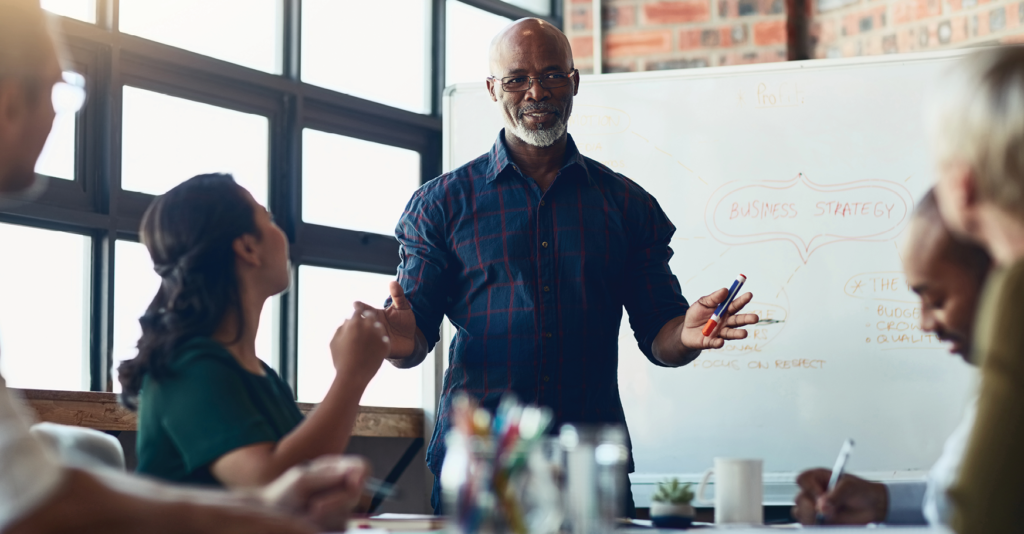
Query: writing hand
point(854, 501)
point(728, 328)
point(812, 484)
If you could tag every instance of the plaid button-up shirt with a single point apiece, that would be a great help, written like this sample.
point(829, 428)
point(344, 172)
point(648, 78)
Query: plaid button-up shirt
point(535, 282)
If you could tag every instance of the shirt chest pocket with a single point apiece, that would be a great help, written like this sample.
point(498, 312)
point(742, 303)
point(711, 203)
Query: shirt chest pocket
point(594, 251)
point(494, 251)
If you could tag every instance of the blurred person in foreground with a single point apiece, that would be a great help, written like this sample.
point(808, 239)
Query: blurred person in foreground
point(37, 494)
point(977, 130)
point(948, 274)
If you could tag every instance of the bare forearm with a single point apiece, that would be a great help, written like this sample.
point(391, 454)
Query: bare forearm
point(83, 504)
point(326, 430)
point(668, 345)
point(161, 492)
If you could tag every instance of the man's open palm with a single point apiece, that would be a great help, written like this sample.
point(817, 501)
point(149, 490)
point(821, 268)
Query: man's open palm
point(729, 326)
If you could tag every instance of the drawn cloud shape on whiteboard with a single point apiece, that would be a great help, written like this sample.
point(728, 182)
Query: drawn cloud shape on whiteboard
point(806, 214)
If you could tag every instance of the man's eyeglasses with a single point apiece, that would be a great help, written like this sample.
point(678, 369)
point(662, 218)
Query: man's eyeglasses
point(69, 93)
point(551, 80)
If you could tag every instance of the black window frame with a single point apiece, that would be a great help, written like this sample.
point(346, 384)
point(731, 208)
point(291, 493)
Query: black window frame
point(94, 204)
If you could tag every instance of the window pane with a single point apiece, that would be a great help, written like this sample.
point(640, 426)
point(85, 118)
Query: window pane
point(240, 31)
point(135, 286)
point(540, 7)
point(167, 140)
point(76, 9)
point(58, 156)
point(44, 309)
point(354, 184)
point(468, 34)
point(374, 50)
point(325, 301)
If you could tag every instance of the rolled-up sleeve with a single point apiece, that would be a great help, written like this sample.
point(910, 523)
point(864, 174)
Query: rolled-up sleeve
point(652, 293)
point(906, 502)
point(424, 256)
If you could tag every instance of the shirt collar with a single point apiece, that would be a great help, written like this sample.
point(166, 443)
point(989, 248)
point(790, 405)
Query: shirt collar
point(500, 162)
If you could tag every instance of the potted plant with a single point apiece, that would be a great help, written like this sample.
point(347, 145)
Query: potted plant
point(670, 505)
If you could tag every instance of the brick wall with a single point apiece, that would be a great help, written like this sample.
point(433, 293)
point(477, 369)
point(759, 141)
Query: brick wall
point(672, 34)
point(844, 28)
point(658, 34)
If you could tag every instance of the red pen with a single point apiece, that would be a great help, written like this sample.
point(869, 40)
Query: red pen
point(720, 310)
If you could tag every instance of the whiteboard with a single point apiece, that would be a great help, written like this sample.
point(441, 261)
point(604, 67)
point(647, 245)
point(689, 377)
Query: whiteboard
point(801, 176)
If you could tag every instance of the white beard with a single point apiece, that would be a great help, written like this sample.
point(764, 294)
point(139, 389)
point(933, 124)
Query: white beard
point(538, 138)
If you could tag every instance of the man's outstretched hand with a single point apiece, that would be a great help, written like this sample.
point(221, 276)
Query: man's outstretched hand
point(728, 327)
point(399, 321)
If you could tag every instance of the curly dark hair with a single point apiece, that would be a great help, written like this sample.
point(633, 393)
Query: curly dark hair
point(189, 232)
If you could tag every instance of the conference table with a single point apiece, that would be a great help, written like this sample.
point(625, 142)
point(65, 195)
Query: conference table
point(641, 528)
point(730, 529)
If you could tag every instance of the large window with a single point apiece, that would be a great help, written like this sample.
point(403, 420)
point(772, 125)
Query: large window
point(355, 184)
point(245, 32)
point(375, 50)
point(469, 32)
point(325, 301)
point(135, 286)
point(44, 319)
point(166, 140)
point(84, 10)
point(58, 157)
point(327, 111)
point(540, 7)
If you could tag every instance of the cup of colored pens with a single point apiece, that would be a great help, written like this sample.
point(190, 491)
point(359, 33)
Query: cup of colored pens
point(491, 473)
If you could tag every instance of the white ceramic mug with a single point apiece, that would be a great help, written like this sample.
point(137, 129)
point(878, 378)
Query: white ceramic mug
point(739, 491)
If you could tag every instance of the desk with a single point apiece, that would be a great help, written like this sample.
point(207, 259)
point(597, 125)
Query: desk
point(643, 527)
point(739, 530)
point(101, 411)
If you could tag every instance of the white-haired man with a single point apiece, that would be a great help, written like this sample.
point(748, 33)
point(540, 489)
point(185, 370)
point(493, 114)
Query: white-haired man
point(978, 134)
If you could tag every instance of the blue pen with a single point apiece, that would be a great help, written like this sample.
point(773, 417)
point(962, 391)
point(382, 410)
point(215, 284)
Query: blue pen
point(720, 310)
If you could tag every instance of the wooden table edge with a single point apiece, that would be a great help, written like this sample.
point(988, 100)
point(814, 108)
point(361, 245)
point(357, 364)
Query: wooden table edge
point(101, 411)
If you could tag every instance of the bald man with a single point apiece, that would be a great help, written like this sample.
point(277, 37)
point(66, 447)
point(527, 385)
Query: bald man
point(37, 494)
point(532, 251)
point(948, 275)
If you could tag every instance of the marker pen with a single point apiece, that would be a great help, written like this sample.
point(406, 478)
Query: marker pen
point(720, 310)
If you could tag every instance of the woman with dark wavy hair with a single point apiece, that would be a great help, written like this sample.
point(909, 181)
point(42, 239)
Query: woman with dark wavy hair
point(210, 412)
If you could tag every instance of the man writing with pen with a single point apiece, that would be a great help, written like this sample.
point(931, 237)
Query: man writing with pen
point(532, 251)
point(948, 274)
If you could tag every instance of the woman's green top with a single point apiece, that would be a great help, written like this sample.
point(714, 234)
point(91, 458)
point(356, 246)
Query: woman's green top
point(208, 406)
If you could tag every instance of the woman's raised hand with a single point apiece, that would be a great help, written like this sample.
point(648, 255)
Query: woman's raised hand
point(399, 321)
point(360, 344)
